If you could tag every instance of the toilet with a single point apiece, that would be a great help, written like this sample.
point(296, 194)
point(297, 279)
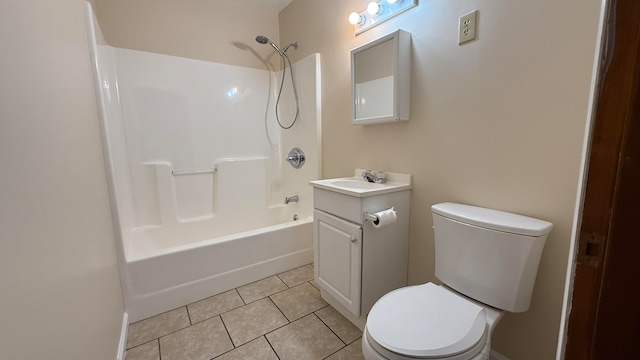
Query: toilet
point(487, 261)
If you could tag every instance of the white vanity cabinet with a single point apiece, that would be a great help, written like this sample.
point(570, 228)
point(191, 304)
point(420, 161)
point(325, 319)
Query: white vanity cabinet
point(356, 263)
point(338, 258)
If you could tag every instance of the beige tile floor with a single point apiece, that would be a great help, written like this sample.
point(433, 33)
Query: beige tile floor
point(280, 317)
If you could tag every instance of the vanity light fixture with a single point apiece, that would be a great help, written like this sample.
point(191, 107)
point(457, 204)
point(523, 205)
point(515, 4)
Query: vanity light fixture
point(357, 19)
point(377, 12)
point(374, 8)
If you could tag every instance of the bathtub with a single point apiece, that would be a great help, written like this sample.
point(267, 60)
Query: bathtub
point(197, 172)
point(160, 279)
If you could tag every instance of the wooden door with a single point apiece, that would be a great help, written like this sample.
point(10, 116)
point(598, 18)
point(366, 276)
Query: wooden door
point(604, 322)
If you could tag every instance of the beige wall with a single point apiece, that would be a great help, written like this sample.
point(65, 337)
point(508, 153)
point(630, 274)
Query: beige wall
point(60, 296)
point(498, 122)
point(221, 31)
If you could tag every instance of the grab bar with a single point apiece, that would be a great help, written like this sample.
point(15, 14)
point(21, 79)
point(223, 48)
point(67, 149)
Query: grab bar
point(193, 172)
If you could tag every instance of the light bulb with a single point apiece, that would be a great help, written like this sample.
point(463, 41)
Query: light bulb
point(374, 8)
point(356, 19)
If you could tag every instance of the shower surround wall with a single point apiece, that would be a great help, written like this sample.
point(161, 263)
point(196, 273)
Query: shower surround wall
point(198, 172)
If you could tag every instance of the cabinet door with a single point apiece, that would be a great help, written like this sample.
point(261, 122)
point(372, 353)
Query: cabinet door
point(338, 258)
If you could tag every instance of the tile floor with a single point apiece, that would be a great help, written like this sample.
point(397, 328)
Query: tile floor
point(280, 317)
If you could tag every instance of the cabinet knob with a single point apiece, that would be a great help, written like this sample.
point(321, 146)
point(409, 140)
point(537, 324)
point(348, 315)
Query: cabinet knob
point(353, 239)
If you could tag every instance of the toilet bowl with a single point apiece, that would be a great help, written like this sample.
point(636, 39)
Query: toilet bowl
point(429, 321)
point(487, 260)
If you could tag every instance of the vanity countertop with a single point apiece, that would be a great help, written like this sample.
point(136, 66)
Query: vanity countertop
point(356, 186)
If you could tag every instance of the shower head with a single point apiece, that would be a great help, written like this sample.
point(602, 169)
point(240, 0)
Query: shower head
point(265, 40)
point(262, 39)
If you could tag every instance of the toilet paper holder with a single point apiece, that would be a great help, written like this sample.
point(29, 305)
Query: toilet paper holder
point(373, 217)
point(370, 217)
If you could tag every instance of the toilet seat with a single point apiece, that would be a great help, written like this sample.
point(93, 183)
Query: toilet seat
point(426, 321)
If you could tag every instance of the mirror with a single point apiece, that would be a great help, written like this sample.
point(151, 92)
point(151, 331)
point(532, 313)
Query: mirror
point(380, 79)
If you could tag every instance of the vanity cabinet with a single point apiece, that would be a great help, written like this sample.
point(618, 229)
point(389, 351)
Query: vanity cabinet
point(338, 258)
point(356, 263)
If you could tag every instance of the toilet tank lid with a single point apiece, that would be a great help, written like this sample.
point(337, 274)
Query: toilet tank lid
point(493, 219)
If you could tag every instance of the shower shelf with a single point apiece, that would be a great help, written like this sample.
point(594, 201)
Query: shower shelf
point(193, 172)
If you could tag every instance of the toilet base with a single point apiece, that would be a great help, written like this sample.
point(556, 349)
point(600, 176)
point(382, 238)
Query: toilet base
point(371, 354)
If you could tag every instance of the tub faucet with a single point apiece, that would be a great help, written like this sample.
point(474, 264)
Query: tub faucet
point(374, 176)
point(289, 199)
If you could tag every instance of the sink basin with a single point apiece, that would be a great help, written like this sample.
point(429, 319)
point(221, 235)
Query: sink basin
point(356, 186)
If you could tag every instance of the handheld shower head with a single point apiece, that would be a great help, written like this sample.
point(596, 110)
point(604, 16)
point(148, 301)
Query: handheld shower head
point(265, 40)
point(262, 39)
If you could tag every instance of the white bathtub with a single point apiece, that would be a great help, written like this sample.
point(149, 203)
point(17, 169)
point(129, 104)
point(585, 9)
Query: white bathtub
point(164, 279)
point(197, 172)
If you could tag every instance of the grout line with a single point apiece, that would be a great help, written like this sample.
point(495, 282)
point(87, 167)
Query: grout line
point(240, 296)
point(277, 292)
point(186, 327)
point(280, 327)
point(226, 352)
point(274, 304)
point(329, 327)
point(272, 348)
point(162, 313)
point(299, 267)
point(315, 287)
point(262, 298)
point(337, 351)
point(279, 278)
point(218, 314)
point(159, 349)
point(163, 335)
point(144, 343)
point(250, 340)
point(228, 333)
point(188, 314)
point(257, 281)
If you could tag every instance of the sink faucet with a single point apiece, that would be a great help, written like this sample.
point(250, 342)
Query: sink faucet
point(374, 176)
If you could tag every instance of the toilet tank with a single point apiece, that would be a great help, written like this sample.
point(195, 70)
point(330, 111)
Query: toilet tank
point(488, 255)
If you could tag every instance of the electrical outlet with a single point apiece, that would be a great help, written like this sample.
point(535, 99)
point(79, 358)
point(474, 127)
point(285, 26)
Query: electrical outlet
point(467, 27)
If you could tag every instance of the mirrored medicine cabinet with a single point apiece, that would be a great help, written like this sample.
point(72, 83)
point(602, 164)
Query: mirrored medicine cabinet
point(380, 79)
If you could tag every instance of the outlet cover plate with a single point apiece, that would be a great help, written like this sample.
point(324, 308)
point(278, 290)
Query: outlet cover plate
point(467, 27)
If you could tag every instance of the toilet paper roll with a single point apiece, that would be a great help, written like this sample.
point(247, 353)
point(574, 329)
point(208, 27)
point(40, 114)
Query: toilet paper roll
point(385, 217)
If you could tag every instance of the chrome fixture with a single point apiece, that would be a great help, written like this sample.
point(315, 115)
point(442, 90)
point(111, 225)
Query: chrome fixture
point(289, 199)
point(296, 158)
point(370, 217)
point(378, 177)
point(265, 40)
point(283, 55)
point(377, 12)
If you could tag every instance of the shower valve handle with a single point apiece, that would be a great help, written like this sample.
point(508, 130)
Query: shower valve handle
point(296, 158)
